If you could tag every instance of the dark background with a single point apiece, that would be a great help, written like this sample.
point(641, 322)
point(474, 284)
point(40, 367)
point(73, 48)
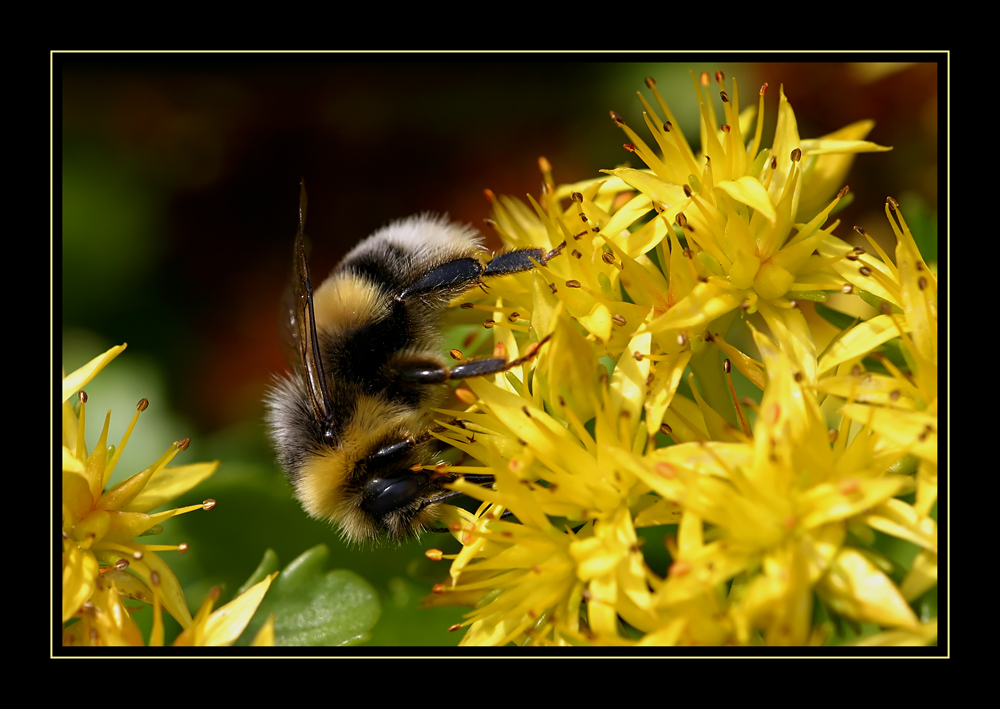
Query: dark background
point(176, 201)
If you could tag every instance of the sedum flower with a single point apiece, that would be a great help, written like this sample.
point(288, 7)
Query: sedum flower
point(900, 406)
point(107, 556)
point(779, 509)
point(626, 420)
point(104, 620)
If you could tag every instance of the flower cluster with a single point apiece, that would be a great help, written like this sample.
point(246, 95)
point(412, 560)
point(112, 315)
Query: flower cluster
point(670, 278)
point(103, 562)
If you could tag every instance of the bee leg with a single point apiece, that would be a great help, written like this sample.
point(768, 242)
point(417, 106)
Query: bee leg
point(430, 372)
point(520, 260)
point(393, 450)
point(451, 277)
point(455, 277)
point(493, 365)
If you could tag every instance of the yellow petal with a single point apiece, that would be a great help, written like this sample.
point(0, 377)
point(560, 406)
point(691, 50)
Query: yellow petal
point(856, 588)
point(750, 192)
point(914, 431)
point(169, 484)
point(858, 342)
point(922, 576)
point(265, 636)
point(79, 579)
point(78, 379)
point(225, 625)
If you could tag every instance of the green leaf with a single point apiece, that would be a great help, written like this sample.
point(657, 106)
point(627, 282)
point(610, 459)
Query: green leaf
point(316, 607)
point(839, 320)
point(268, 564)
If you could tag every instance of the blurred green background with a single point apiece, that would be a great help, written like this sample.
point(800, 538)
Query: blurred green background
point(176, 204)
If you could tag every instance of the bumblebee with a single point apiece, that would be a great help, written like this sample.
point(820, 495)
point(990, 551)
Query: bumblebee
point(351, 423)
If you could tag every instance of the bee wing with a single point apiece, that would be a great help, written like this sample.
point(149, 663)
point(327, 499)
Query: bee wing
point(302, 323)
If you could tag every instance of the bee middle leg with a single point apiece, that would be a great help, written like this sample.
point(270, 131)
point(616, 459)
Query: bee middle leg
point(423, 371)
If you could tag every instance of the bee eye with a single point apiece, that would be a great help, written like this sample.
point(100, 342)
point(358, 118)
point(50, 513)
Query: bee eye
point(384, 495)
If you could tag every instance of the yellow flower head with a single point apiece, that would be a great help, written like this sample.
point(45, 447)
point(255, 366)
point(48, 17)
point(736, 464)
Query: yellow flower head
point(101, 526)
point(595, 438)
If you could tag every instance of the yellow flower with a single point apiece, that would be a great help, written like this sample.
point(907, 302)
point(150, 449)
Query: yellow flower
point(778, 507)
point(105, 621)
point(101, 526)
point(774, 505)
point(901, 406)
point(742, 211)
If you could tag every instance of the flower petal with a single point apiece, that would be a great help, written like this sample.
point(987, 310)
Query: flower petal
point(76, 380)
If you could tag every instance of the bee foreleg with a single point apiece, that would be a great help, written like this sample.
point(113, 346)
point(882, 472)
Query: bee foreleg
point(520, 260)
point(462, 273)
point(455, 275)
